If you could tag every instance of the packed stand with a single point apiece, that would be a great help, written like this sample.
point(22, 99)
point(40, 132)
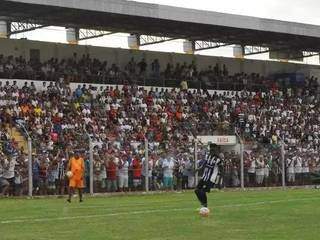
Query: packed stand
point(57, 119)
point(268, 120)
point(119, 120)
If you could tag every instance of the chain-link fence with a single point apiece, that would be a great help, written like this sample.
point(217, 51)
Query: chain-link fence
point(276, 163)
point(117, 167)
point(139, 166)
point(302, 166)
point(129, 166)
point(263, 164)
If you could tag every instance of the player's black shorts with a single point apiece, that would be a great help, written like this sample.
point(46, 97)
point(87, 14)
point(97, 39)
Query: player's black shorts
point(205, 185)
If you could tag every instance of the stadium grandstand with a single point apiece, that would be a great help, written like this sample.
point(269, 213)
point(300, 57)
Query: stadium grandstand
point(110, 102)
point(143, 120)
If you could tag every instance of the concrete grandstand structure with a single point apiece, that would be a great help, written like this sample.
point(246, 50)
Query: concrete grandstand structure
point(121, 57)
point(202, 28)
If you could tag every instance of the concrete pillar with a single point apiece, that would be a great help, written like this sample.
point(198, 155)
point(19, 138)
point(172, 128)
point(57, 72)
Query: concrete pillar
point(72, 35)
point(238, 51)
point(134, 41)
point(188, 47)
point(3, 29)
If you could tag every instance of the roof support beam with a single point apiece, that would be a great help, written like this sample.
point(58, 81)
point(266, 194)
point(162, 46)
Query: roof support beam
point(205, 45)
point(253, 50)
point(310, 54)
point(149, 40)
point(21, 27)
point(85, 34)
point(305, 54)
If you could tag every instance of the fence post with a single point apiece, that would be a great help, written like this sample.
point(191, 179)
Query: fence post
point(146, 165)
point(195, 162)
point(30, 181)
point(283, 165)
point(242, 164)
point(241, 160)
point(91, 164)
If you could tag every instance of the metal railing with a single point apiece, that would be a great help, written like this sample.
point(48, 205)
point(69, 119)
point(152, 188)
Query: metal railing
point(255, 165)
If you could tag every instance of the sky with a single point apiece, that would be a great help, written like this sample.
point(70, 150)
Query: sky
point(304, 11)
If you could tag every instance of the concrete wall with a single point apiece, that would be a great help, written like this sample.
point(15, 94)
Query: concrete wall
point(122, 56)
point(38, 85)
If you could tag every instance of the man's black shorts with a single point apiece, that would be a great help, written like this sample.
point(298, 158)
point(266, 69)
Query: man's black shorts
point(205, 185)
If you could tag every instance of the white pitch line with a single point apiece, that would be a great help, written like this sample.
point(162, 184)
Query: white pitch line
point(148, 211)
point(128, 205)
point(94, 216)
point(177, 201)
point(267, 202)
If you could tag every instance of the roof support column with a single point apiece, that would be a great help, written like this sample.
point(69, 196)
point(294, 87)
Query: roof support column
point(189, 46)
point(238, 51)
point(134, 41)
point(72, 35)
point(4, 29)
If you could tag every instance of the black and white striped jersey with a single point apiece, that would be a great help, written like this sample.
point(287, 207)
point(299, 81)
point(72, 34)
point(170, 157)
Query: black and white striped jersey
point(211, 168)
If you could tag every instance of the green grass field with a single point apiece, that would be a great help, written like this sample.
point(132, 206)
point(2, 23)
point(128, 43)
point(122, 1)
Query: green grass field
point(276, 214)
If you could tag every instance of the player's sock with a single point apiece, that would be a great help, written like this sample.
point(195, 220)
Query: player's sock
point(198, 194)
point(70, 195)
point(204, 201)
point(202, 196)
point(80, 195)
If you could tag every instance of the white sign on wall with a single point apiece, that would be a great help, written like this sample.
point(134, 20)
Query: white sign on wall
point(219, 140)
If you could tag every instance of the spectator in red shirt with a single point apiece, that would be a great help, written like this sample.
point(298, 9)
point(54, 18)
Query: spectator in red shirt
point(140, 136)
point(111, 168)
point(136, 167)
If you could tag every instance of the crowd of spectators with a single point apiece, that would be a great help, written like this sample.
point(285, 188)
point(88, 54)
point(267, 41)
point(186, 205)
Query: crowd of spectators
point(86, 69)
point(56, 117)
point(118, 120)
point(276, 117)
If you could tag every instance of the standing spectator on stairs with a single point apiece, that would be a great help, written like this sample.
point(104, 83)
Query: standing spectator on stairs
point(8, 173)
point(4, 184)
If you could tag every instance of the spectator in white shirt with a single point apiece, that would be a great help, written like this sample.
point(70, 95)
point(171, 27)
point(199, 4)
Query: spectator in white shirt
point(123, 167)
point(168, 166)
point(4, 184)
point(8, 173)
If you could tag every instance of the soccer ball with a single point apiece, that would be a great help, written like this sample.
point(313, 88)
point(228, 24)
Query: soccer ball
point(69, 174)
point(204, 212)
